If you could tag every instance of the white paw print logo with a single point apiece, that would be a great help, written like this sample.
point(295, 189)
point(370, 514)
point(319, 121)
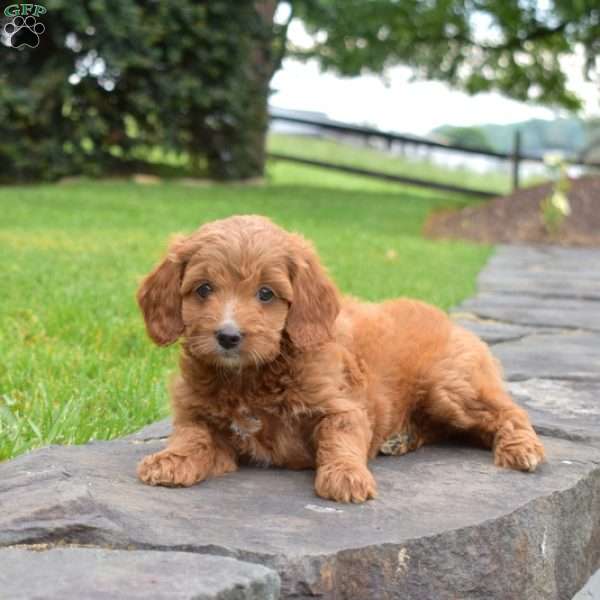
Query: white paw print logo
point(24, 32)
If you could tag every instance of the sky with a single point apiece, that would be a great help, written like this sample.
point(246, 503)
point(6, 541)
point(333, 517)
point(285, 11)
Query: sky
point(398, 104)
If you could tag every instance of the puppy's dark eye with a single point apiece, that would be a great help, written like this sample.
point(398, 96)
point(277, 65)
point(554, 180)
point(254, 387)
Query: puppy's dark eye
point(204, 290)
point(265, 294)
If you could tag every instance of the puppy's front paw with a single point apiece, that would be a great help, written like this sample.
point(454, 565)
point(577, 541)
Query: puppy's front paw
point(345, 482)
point(520, 450)
point(169, 469)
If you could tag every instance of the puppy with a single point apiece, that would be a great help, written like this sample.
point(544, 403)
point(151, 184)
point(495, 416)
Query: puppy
point(277, 368)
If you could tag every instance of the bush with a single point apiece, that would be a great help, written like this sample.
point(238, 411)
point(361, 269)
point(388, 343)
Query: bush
point(468, 137)
point(113, 79)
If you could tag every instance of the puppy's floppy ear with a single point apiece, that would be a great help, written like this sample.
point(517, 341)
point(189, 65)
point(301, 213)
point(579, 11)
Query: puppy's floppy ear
point(315, 303)
point(159, 297)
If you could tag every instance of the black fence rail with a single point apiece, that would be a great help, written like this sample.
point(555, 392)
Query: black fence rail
point(515, 158)
point(445, 187)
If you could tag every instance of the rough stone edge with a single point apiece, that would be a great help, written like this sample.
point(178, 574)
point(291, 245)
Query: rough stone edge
point(303, 577)
point(260, 582)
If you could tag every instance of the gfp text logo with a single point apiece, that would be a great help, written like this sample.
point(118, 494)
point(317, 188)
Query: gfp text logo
point(22, 10)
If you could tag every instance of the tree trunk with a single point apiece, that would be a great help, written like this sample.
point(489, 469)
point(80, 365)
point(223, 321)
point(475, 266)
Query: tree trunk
point(237, 149)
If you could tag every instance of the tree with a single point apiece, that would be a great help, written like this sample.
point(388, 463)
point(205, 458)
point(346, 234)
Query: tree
point(469, 137)
point(512, 46)
point(113, 79)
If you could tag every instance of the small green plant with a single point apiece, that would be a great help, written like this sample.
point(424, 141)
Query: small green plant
point(555, 208)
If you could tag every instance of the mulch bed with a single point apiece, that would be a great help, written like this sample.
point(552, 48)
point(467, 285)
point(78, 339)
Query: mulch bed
point(517, 218)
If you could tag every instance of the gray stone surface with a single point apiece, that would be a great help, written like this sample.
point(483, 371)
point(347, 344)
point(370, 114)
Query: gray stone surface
point(540, 287)
point(591, 590)
point(539, 308)
point(575, 262)
point(156, 431)
point(571, 313)
point(561, 408)
point(494, 332)
point(447, 523)
point(93, 574)
point(566, 356)
point(547, 272)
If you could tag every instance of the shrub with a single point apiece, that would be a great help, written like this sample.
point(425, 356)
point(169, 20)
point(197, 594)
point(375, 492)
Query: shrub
point(113, 79)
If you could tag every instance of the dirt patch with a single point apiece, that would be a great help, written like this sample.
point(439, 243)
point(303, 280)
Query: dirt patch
point(518, 219)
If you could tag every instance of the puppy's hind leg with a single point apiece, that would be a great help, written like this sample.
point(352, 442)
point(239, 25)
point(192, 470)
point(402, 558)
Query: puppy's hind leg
point(515, 444)
point(495, 420)
point(467, 395)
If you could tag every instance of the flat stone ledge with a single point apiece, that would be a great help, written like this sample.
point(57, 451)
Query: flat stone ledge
point(565, 409)
point(541, 311)
point(93, 574)
point(542, 284)
point(570, 356)
point(529, 352)
point(571, 261)
point(496, 332)
point(447, 524)
point(151, 433)
point(543, 271)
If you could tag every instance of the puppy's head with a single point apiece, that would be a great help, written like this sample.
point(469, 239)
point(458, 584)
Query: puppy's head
point(235, 289)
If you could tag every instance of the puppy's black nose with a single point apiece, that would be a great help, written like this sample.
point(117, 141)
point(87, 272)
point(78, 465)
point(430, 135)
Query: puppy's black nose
point(229, 337)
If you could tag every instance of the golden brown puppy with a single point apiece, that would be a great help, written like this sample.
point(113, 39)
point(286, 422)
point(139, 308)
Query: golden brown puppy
point(277, 368)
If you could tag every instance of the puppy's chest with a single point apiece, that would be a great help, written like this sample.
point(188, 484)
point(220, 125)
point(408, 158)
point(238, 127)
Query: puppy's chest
point(245, 422)
point(263, 421)
point(272, 431)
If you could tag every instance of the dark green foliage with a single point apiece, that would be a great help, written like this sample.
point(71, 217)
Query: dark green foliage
point(537, 135)
point(182, 75)
point(468, 137)
point(513, 46)
point(571, 136)
point(192, 76)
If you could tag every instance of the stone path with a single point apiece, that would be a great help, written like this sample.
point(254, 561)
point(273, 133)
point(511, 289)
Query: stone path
point(448, 524)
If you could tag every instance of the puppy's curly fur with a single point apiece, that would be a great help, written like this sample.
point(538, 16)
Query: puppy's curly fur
point(313, 380)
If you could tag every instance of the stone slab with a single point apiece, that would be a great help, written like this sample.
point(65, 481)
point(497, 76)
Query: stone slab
point(568, 313)
point(495, 332)
point(543, 271)
point(570, 356)
point(155, 431)
point(549, 272)
point(591, 590)
point(565, 409)
point(547, 258)
point(447, 523)
point(541, 284)
point(94, 574)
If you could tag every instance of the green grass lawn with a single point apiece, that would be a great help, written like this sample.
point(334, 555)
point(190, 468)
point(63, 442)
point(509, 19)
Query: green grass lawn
point(76, 364)
point(331, 151)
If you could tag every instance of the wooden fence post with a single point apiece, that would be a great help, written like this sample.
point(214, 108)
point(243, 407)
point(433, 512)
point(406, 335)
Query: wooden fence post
point(516, 160)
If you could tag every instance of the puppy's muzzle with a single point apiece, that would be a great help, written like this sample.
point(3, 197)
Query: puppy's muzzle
point(229, 337)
